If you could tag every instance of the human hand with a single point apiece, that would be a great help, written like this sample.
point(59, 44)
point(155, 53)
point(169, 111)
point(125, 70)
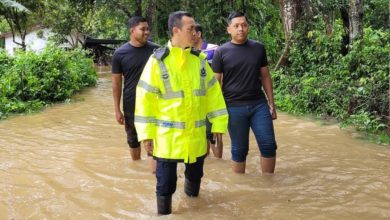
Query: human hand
point(148, 146)
point(218, 148)
point(119, 117)
point(272, 110)
point(219, 142)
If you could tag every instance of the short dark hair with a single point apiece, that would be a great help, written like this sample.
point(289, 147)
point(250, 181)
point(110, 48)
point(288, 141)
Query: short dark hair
point(134, 21)
point(174, 20)
point(236, 14)
point(198, 28)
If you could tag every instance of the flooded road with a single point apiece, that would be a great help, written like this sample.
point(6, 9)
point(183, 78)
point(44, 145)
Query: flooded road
point(71, 161)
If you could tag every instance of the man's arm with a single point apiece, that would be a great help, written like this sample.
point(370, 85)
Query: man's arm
point(267, 85)
point(218, 76)
point(117, 93)
point(217, 65)
point(216, 107)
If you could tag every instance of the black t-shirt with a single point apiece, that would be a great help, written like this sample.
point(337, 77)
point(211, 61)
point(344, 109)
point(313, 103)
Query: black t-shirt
point(130, 61)
point(240, 65)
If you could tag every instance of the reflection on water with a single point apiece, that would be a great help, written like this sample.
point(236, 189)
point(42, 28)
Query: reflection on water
point(71, 162)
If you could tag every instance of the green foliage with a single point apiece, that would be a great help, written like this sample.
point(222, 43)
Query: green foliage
point(68, 18)
point(110, 24)
point(352, 88)
point(264, 18)
point(4, 27)
point(20, 16)
point(368, 64)
point(364, 121)
point(376, 13)
point(6, 5)
point(318, 79)
point(266, 27)
point(107, 19)
point(40, 34)
point(29, 81)
point(5, 62)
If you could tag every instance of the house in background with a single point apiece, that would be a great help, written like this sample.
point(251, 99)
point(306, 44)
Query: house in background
point(2, 43)
point(36, 40)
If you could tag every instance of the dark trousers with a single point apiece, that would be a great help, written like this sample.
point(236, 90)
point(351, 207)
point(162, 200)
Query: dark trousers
point(166, 174)
point(132, 139)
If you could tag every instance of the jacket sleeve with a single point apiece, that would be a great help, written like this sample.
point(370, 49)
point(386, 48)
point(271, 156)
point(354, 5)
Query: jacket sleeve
point(216, 107)
point(147, 95)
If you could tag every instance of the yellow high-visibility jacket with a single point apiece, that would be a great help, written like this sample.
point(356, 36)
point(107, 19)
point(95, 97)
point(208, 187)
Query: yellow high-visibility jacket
point(174, 96)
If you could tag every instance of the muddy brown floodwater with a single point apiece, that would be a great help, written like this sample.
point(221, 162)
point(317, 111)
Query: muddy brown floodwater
point(71, 161)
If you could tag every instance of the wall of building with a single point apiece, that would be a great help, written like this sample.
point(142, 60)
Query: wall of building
point(33, 41)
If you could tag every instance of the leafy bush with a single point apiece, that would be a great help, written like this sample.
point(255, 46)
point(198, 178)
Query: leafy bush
point(5, 62)
point(29, 81)
point(320, 80)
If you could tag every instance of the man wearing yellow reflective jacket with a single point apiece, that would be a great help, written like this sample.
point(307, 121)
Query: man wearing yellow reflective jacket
point(175, 94)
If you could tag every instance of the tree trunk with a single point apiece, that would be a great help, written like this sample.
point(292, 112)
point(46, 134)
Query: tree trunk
point(291, 12)
point(344, 16)
point(355, 20)
point(328, 24)
point(138, 8)
point(288, 11)
point(151, 17)
point(243, 6)
point(16, 22)
point(283, 58)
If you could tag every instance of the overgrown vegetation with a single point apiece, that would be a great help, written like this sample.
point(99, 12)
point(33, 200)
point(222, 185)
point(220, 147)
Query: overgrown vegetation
point(320, 80)
point(327, 69)
point(29, 81)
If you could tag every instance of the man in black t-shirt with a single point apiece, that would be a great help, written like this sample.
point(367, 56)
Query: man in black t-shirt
point(128, 62)
point(242, 69)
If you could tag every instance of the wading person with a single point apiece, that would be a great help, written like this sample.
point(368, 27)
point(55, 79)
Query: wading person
point(241, 67)
point(214, 141)
point(127, 63)
point(176, 92)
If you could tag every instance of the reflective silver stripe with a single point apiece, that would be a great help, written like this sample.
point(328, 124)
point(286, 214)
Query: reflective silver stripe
point(200, 123)
point(148, 87)
point(202, 90)
point(173, 95)
point(199, 92)
point(143, 119)
point(169, 94)
point(217, 113)
point(171, 124)
point(211, 82)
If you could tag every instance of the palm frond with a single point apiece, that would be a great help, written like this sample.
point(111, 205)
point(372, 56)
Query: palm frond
point(13, 4)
